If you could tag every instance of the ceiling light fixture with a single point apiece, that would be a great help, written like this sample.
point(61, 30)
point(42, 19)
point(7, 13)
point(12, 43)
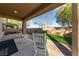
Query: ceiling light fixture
point(15, 12)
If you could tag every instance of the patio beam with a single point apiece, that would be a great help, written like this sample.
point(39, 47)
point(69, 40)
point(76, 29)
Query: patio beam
point(23, 27)
point(41, 10)
point(75, 29)
point(10, 17)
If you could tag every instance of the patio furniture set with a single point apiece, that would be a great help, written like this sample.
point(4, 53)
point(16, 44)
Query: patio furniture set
point(24, 45)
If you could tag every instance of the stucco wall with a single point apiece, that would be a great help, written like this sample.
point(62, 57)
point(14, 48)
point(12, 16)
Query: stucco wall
point(58, 30)
point(0, 25)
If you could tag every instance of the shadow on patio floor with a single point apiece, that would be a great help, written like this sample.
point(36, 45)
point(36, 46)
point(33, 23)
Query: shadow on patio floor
point(8, 47)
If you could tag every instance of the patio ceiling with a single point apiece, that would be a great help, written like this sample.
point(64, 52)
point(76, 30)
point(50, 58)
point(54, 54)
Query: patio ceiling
point(25, 11)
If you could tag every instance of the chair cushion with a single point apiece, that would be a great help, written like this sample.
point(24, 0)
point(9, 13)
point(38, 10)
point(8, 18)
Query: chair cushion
point(25, 47)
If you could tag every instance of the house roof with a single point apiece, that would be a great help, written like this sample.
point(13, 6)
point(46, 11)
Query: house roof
point(25, 11)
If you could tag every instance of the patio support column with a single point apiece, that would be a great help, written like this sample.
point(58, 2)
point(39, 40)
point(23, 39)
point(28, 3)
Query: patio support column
point(24, 27)
point(75, 29)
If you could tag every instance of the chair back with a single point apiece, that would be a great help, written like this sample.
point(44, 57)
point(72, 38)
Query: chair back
point(39, 40)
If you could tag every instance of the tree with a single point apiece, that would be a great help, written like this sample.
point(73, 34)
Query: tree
point(39, 23)
point(64, 15)
point(44, 23)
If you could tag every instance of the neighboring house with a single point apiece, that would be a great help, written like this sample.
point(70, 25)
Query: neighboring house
point(52, 30)
point(58, 30)
point(2, 22)
point(1, 25)
point(8, 27)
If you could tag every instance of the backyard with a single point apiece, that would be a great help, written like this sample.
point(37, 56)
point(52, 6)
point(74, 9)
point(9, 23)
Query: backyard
point(60, 39)
point(58, 45)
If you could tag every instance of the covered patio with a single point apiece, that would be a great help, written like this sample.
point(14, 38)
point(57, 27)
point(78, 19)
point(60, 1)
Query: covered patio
point(26, 11)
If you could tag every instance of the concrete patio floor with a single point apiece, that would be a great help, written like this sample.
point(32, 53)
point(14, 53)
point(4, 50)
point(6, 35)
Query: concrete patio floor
point(55, 49)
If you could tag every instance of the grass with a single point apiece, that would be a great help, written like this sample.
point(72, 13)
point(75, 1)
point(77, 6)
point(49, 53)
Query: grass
point(60, 39)
point(46, 36)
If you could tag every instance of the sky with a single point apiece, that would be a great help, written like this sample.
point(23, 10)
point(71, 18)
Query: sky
point(46, 17)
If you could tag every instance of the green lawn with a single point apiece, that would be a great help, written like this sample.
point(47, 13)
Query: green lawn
point(46, 36)
point(60, 39)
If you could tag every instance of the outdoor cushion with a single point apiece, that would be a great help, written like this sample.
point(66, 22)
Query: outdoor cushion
point(25, 47)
